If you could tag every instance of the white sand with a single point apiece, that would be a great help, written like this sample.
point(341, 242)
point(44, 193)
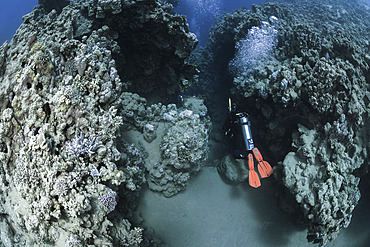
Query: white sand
point(211, 213)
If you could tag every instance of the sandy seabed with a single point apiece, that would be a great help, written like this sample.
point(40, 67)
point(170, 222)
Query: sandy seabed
point(212, 213)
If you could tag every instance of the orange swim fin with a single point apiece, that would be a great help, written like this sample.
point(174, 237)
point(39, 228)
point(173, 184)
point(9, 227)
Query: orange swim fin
point(254, 180)
point(264, 167)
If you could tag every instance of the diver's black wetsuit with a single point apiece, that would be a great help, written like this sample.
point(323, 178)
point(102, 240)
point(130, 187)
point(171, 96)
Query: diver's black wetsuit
point(232, 129)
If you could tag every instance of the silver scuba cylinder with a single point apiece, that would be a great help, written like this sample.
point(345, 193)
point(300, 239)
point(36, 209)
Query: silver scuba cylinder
point(246, 131)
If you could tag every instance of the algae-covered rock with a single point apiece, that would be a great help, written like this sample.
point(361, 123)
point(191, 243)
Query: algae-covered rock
point(235, 170)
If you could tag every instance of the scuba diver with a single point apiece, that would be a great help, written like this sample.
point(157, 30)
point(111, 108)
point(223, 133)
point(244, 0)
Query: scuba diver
point(237, 127)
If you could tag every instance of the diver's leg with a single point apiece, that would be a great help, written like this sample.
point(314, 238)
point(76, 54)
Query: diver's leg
point(238, 147)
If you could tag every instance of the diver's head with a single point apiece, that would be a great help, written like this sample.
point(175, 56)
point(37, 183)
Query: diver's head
point(234, 108)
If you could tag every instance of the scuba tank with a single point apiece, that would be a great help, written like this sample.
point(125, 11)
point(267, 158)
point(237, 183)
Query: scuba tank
point(244, 123)
point(246, 131)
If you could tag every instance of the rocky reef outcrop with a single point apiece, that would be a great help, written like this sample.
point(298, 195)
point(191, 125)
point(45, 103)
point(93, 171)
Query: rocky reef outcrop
point(154, 44)
point(301, 69)
point(67, 177)
point(183, 149)
point(175, 140)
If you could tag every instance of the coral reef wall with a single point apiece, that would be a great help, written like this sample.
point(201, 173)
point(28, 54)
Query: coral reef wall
point(154, 45)
point(301, 69)
point(66, 176)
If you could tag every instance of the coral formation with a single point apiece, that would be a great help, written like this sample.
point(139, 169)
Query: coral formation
point(154, 45)
point(310, 98)
point(49, 5)
point(179, 138)
point(318, 175)
point(66, 176)
point(184, 149)
point(3, 50)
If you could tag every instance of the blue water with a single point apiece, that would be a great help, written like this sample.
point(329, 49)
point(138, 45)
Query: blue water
point(11, 13)
point(201, 14)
